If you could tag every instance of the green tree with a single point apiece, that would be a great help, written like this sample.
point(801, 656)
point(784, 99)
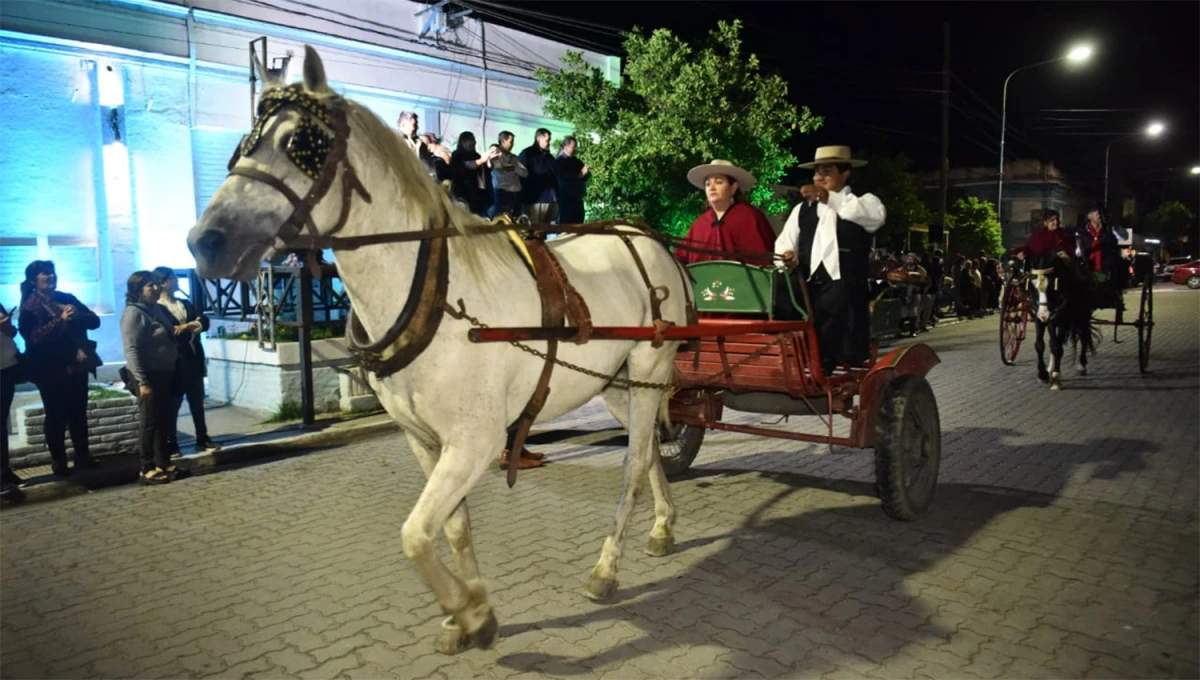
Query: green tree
point(680, 105)
point(888, 177)
point(1168, 220)
point(974, 227)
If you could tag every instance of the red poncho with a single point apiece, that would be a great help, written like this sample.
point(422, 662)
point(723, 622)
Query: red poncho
point(743, 228)
point(1046, 241)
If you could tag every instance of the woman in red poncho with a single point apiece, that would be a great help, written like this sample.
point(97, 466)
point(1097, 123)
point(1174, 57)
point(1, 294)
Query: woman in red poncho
point(729, 224)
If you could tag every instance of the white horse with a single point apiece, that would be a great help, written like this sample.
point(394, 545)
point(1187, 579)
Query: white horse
point(455, 399)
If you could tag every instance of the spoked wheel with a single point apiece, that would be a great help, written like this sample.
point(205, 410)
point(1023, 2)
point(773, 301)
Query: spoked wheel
point(908, 447)
point(1145, 325)
point(1014, 315)
point(678, 445)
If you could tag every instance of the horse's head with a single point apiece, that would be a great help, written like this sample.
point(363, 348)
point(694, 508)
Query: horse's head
point(1053, 279)
point(281, 178)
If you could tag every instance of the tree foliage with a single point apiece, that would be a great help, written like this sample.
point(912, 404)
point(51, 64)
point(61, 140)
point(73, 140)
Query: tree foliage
point(888, 177)
point(974, 227)
point(1168, 220)
point(679, 105)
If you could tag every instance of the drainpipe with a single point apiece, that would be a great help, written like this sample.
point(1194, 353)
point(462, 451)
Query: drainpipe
point(191, 24)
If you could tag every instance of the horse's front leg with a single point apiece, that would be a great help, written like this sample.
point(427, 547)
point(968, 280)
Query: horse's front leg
point(443, 505)
point(1040, 345)
point(643, 419)
point(1057, 340)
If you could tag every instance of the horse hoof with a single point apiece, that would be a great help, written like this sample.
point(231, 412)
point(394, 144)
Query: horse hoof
point(660, 547)
point(600, 588)
point(1055, 383)
point(1043, 378)
point(454, 641)
point(1081, 371)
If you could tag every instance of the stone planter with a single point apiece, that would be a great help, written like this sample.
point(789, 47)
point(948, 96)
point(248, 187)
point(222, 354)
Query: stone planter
point(112, 428)
point(243, 374)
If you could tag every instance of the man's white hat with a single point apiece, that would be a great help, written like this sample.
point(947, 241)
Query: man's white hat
point(832, 155)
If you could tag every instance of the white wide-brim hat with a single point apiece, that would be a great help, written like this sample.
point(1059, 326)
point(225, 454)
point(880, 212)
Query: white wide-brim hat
point(833, 154)
point(698, 174)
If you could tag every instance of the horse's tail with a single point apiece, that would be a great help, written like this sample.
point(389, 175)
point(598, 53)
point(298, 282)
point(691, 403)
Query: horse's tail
point(664, 408)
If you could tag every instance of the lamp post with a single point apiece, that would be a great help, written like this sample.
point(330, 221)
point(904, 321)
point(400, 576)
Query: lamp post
point(1077, 55)
point(1152, 130)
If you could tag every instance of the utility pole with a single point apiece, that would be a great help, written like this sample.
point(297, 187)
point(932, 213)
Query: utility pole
point(945, 164)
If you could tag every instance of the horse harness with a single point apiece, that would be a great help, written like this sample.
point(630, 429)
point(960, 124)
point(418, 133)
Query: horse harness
point(320, 155)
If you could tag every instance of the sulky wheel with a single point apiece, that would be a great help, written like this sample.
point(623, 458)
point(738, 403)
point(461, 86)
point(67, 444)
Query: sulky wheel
point(1014, 315)
point(908, 447)
point(678, 445)
point(1145, 325)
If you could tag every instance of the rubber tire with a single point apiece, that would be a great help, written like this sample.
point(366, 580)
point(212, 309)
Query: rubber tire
point(908, 410)
point(1145, 327)
point(1193, 282)
point(678, 449)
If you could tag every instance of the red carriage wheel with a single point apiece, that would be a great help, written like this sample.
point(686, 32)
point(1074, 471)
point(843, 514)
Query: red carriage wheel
point(1014, 315)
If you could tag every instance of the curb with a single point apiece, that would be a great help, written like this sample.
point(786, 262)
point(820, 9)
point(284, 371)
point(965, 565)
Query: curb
point(123, 469)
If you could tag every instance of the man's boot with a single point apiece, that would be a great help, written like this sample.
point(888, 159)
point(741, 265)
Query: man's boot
point(527, 460)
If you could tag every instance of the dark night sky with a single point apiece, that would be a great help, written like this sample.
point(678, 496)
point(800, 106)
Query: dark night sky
point(873, 69)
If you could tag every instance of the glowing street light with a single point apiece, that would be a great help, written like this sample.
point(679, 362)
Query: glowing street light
point(1196, 170)
point(1154, 129)
point(1078, 55)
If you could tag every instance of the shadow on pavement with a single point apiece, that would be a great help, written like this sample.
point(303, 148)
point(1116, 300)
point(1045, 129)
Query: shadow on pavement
point(813, 589)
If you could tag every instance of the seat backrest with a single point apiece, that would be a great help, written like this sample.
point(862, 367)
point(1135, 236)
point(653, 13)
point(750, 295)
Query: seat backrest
point(731, 287)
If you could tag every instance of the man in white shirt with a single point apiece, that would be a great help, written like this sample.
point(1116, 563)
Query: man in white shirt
point(826, 242)
point(409, 125)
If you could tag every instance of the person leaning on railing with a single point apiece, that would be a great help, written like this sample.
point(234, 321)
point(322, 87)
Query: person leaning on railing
point(148, 331)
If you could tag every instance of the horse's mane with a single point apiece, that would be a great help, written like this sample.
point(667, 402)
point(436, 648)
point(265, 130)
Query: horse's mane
point(427, 202)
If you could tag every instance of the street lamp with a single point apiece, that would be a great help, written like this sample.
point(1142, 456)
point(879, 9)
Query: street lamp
point(1077, 55)
point(1154, 129)
point(1196, 170)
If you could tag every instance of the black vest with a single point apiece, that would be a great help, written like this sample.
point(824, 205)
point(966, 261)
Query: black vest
point(854, 245)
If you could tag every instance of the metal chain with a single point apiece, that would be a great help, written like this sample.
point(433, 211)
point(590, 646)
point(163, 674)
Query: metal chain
point(461, 313)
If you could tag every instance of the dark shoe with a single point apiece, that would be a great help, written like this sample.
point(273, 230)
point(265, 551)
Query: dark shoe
point(10, 477)
point(60, 470)
point(207, 445)
point(523, 463)
point(154, 477)
point(86, 463)
point(176, 473)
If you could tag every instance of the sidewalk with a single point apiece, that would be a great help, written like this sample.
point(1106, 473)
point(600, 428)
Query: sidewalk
point(242, 434)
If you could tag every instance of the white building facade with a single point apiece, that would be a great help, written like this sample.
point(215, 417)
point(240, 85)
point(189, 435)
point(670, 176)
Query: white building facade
point(117, 117)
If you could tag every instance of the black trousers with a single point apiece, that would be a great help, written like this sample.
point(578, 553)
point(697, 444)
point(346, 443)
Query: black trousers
point(155, 417)
point(64, 397)
point(9, 378)
point(188, 384)
point(840, 316)
point(570, 210)
point(507, 202)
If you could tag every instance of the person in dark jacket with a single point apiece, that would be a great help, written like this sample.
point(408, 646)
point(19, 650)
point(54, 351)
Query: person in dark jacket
point(573, 177)
point(59, 356)
point(190, 369)
point(11, 374)
point(149, 332)
point(539, 190)
point(471, 176)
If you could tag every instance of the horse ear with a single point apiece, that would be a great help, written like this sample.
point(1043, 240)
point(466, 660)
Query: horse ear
point(314, 71)
point(270, 82)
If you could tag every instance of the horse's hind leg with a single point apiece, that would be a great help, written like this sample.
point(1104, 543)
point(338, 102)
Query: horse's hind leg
point(643, 419)
point(456, 471)
point(662, 540)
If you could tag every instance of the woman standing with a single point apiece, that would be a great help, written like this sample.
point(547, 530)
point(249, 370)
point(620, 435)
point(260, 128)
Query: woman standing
point(59, 356)
point(149, 334)
point(470, 176)
point(191, 368)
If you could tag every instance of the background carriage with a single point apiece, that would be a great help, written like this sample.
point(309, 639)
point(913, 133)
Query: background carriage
point(1016, 307)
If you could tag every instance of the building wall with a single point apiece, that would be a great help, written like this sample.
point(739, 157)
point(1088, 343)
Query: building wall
point(120, 115)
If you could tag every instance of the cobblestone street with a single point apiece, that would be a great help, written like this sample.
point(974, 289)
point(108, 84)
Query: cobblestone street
point(1062, 542)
